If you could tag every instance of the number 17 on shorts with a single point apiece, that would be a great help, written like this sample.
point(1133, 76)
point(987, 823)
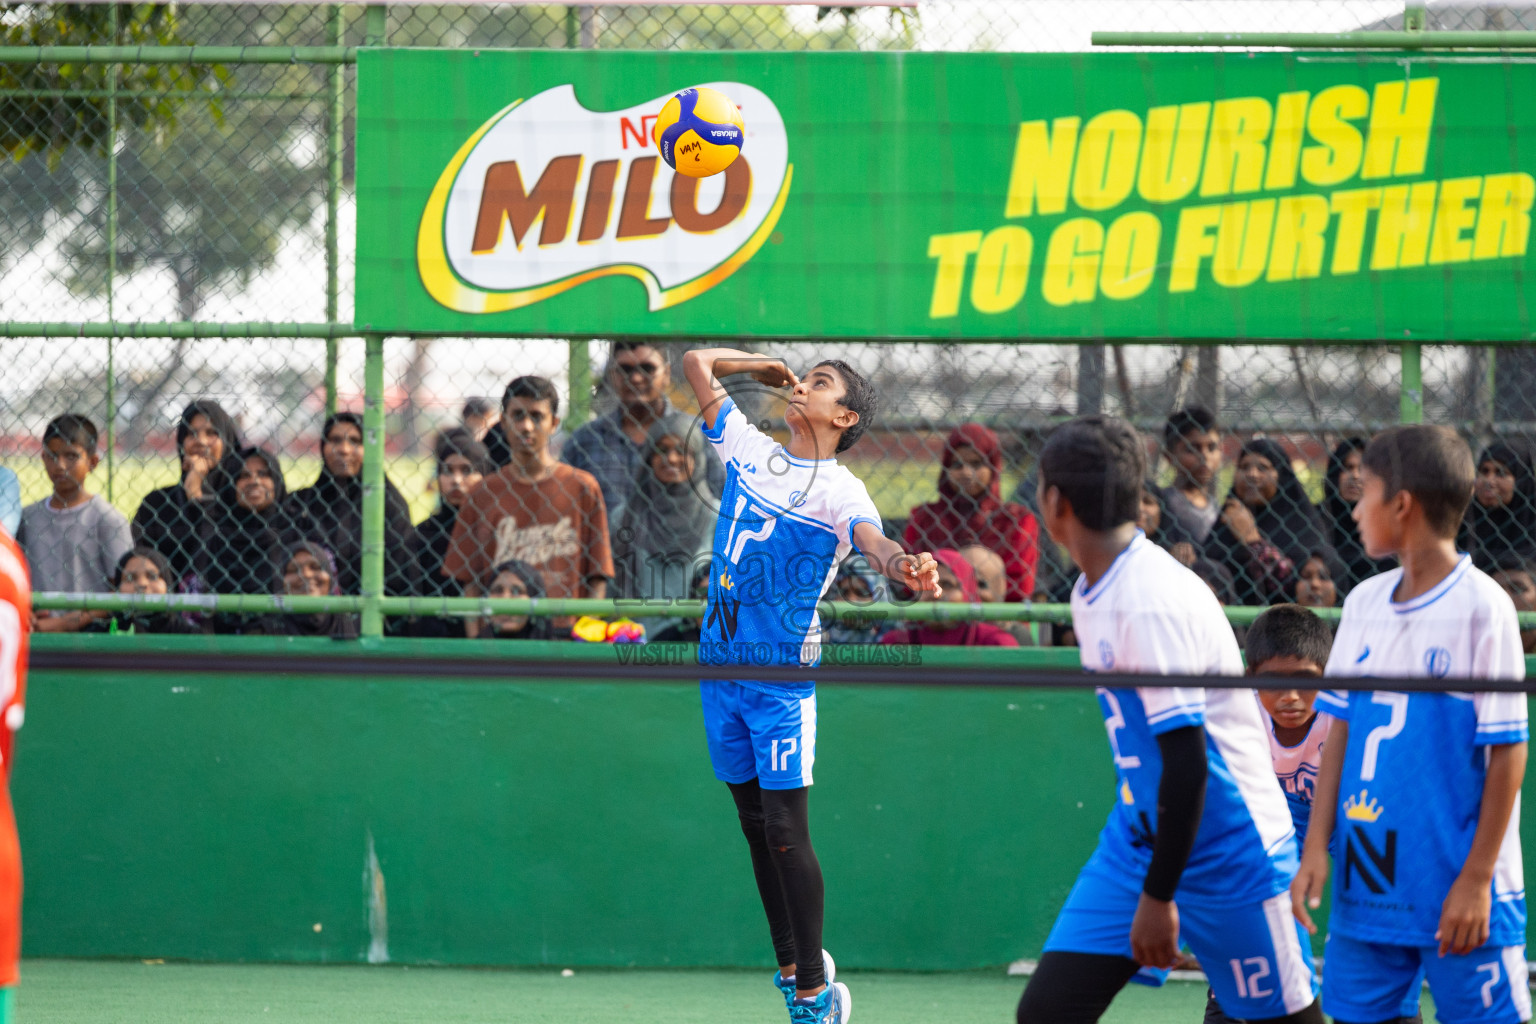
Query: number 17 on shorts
point(756, 734)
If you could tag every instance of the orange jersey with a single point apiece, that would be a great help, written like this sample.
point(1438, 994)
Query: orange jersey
point(15, 622)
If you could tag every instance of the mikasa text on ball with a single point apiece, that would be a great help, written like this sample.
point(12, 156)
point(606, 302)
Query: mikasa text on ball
point(699, 132)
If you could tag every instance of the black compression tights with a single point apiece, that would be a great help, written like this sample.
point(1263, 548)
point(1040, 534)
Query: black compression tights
point(1076, 988)
point(777, 825)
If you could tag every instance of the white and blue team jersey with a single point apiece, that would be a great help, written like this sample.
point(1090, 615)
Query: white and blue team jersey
point(785, 525)
point(1412, 783)
point(1150, 614)
point(1297, 767)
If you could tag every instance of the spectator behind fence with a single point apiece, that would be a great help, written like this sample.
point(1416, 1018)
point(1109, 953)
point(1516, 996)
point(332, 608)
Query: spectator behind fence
point(249, 519)
point(515, 579)
point(1192, 441)
point(1343, 485)
point(858, 584)
point(330, 512)
point(992, 588)
point(616, 445)
point(73, 539)
point(143, 570)
point(1268, 527)
point(462, 463)
point(479, 416)
point(1315, 585)
point(1500, 524)
point(1518, 578)
point(970, 510)
point(957, 582)
point(534, 510)
point(1161, 527)
point(306, 569)
point(10, 501)
point(170, 519)
point(669, 519)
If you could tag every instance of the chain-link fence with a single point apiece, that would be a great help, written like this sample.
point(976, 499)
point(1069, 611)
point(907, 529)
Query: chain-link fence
point(211, 199)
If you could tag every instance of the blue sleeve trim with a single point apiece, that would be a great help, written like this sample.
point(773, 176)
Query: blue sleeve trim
point(718, 433)
point(862, 519)
point(1337, 702)
point(1495, 739)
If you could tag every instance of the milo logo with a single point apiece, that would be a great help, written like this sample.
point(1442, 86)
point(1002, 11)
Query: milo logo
point(547, 195)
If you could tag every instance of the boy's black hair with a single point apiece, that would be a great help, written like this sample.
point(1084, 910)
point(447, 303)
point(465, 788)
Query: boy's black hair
point(458, 441)
point(859, 395)
point(1192, 419)
point(1099, 465)
point(1431, 463)
point(1288, 630)
point(476, 405)
point(536, 388)
point(72, 428)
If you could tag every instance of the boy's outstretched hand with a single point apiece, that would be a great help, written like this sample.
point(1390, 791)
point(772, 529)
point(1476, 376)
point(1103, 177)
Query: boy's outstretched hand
point(1464, 915)
point(920, 573)
point(1307, 887)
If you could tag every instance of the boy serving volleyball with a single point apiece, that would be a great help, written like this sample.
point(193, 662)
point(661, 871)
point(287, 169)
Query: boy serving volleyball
point(1200, 845)
point(1420, 792)
point(788, 516)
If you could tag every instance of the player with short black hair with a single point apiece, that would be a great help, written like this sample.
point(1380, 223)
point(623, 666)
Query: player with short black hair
point(788, 517)
point(1287, 631)
point(536, 389)
point(1192, 442)
point(1424, 787)
point(1200, 845)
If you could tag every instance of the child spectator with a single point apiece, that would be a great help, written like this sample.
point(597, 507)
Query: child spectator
point(509, 580)
point(534, 510)
point(970, 510)
point(857, 583)
point(1192, 441)
point(667, 523)
point(1314, 584)
point(1501, 522)
point(462, 464)
point(330, 512)
point(1423, 787)
point(1267, 526)
point(957, 581)
point(992, 587)
point(617, 445)
point(10, 501)
point(143, 571)
point(170, 519)
point(73, 539)
point(306, 569)
point(1342, 486)
point(1519, 582)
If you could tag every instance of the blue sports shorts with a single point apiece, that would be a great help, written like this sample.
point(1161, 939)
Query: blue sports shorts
point(1374, 981)
point(754, 734)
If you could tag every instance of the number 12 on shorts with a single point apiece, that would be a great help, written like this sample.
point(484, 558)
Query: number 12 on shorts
point(780, 760)
point(1248, 973)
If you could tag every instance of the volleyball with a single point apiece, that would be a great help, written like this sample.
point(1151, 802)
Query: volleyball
point(699, 132)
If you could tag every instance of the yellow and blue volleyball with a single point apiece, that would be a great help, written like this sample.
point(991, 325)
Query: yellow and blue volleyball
point(699, 132)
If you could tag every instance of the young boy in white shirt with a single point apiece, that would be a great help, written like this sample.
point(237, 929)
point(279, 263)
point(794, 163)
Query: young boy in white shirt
point(1424, 787)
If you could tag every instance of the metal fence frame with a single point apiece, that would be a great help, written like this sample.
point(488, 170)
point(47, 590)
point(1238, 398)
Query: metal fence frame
point(371, 604)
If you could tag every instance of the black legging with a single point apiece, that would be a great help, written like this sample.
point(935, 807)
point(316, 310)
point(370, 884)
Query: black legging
point(777, 825)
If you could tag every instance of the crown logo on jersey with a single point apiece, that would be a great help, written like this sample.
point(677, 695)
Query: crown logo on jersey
point(1125, 792)
point(726, 581)
point(1362, 808)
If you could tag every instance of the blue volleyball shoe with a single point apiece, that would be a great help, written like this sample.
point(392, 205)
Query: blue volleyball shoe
point(832, 1006)
point(787, 985)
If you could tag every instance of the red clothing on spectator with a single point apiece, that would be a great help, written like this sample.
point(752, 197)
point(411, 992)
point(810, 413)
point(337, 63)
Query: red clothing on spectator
point(957, 520)
point(954, 634)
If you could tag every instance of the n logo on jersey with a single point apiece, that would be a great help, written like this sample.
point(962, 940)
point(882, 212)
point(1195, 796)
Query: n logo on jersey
point(1376, 867)
point(725, 613)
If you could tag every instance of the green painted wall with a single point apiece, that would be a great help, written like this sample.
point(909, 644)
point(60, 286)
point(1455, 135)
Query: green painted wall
point(532, 822)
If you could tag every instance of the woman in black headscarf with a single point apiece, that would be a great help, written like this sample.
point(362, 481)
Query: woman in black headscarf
point(462, 462)
point(248, 522)
point(1501, 521)
point(330, 512)
point(170, 519)
point(1342, 487)
point(514, 579)
point(305, 569)
point(1268, 527)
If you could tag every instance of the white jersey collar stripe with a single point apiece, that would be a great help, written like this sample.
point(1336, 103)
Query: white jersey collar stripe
point(1436, 592)
point(1093, 593)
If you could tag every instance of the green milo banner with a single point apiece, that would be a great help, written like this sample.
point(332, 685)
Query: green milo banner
point(987, 196)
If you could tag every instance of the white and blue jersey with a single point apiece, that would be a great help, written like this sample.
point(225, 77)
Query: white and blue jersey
point(1297, 767)
point(1414, 769)
point(1149, 614)
point(785, 525)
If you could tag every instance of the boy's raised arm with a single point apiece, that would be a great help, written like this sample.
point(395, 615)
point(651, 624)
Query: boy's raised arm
point(918, 572)
point(1465, 913)
point(704, 366)
point(1307, 886)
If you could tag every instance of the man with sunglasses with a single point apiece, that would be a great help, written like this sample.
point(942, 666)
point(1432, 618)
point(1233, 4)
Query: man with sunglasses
point(613, 446)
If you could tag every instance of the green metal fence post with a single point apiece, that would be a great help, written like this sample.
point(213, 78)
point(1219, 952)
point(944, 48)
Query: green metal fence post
point(1411, 400)
point(376, 28)
point(373, 486)
point(333, 150)
point(112, 264)
point(580, 376)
